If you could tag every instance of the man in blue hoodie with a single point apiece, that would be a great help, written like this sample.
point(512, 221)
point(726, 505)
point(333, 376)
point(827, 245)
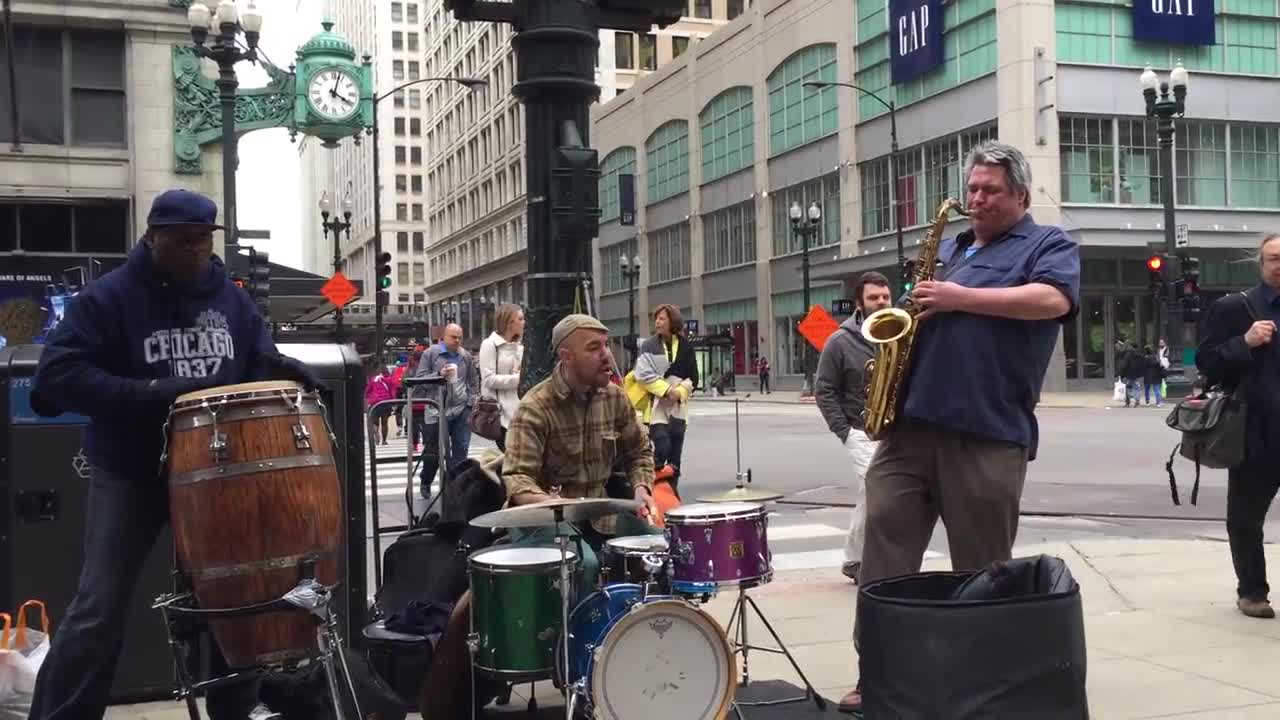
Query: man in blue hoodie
point(166, 323)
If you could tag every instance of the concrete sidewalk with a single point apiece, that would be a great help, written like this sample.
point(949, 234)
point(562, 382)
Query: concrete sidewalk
point(1164, 637)
point(1047, 400)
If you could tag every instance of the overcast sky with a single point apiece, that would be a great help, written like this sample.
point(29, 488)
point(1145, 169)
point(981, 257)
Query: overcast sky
point(267, 185)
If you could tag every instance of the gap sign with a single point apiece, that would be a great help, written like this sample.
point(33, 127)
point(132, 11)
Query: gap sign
point(915, 38)
point(1175, 22)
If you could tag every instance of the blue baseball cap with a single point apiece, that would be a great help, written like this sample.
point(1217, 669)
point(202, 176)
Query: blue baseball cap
point(183, 207)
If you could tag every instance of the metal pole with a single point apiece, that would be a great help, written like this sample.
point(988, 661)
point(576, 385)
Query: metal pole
point(227, 84)
point(337, 267)
point(631, 316)
point(897, 197)
point(378, 329)
point(804, 272)
point(1173, 308)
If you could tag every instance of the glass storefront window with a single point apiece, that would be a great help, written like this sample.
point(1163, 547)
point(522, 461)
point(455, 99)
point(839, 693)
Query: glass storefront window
point(1095, 337)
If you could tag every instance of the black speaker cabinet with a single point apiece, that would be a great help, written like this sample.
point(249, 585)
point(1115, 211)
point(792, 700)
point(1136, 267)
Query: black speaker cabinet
point(43, 502)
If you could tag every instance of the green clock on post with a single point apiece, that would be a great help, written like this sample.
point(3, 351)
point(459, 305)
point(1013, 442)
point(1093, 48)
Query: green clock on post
point(333, 93)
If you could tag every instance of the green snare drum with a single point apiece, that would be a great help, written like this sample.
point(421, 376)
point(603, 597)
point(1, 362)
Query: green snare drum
point(516, 608)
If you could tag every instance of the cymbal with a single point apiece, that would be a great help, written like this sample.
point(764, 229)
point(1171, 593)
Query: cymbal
point(544, 513)
point(742, 494)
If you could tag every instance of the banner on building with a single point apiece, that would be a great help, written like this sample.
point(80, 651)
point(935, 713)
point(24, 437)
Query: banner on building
point(915, 38)
point(1174, 22)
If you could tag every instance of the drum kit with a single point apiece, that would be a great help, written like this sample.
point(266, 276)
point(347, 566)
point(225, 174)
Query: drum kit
point(640, 644)
point(256, 509)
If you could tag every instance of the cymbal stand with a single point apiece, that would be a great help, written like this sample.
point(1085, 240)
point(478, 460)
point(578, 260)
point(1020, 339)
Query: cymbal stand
point(566, 588)
point(740, 478)
point(737, 630)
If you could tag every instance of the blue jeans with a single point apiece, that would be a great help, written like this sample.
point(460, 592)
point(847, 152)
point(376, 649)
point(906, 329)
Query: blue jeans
point(1132, 391)
point(126, 514)
point(1153, 388)
point(459, 429)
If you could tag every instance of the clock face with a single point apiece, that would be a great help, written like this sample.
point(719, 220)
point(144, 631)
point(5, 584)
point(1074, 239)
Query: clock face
point(333, 94)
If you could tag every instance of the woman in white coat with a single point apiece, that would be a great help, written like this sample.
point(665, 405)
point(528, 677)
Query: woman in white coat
point(500, 356)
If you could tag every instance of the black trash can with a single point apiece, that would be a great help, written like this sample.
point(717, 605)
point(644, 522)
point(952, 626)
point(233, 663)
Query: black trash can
point(1003, 643)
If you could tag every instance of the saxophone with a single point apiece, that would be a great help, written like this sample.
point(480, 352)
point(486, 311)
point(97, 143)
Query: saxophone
point(893, 331)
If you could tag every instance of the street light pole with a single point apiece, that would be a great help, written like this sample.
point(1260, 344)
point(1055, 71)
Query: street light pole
point(1171, 103)
point(336, 227)
point(893, 168)
point(225, 24)
point(631, 271)
point(379, 330)
point(805, 231)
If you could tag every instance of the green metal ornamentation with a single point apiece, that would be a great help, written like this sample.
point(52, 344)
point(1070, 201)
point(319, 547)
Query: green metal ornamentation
point(197, 116)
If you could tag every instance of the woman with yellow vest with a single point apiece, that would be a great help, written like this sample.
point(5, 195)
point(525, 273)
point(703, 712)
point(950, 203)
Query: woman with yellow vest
point(659, 387)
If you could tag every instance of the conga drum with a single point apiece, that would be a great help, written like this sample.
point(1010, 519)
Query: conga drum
point(253, 495)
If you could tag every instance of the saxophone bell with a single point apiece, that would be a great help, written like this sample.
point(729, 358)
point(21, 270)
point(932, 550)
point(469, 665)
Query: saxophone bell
point(887, 325)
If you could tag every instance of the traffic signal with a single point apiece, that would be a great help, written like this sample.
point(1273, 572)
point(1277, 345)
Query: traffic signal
point(1191, 275)
point(384, 279)
point(908, 275)
point(260, 281)
point(1155, 273)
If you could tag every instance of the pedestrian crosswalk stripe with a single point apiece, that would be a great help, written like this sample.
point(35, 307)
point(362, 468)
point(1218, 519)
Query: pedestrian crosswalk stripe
point(798, 532)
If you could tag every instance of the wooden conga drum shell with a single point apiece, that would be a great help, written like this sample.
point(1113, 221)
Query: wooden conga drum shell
point(245, 520)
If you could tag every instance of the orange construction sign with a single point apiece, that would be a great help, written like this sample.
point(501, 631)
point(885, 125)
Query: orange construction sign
point(338, 290)
point(817, 326)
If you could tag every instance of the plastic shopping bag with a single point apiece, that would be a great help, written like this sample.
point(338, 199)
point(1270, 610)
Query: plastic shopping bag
point(1118, 393)
point(22, 650)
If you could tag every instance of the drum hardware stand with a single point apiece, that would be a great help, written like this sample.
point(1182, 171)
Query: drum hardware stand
point(742, 645)
point(180, 617)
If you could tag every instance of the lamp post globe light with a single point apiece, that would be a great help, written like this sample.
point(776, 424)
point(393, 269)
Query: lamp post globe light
point(1165, 101)
point(337, 227)
point(806, 231)
point(215, 34)
point(631, 271)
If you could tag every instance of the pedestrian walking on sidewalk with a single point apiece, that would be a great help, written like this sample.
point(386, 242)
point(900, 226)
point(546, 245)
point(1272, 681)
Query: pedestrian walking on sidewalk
point(167, 323)
point(840, 392)
point(501, 355)
point(762, 371)
point(667, 372)
point(1153, 374)
point(966, 429)
point(378, 389)
point(1130, 369)
point(1238, 350)
point(452, 361)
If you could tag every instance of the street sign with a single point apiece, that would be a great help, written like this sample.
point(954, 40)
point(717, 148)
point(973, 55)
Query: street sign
point(843, 306)
point(338, 290)
point(1182, 237)
point(817, 326)
point(691, 327)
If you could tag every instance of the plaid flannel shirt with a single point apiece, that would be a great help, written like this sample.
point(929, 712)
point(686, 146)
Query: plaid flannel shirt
point(555, 439)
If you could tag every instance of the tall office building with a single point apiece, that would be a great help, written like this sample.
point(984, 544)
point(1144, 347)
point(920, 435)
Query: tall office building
point(387, 32)
point(474, 145)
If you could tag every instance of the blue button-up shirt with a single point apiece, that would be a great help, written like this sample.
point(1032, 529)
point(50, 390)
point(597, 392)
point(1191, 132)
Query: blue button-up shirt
point(982, 374)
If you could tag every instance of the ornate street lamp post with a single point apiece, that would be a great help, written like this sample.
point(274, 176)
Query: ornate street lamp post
point(225, 25)
point(337, 227)
point(805, 231)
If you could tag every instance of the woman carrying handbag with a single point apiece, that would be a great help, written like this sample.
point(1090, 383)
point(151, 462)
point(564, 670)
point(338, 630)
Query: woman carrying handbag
point(500, 356)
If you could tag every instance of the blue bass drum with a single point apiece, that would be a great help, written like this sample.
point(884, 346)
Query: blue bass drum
point(588, 622)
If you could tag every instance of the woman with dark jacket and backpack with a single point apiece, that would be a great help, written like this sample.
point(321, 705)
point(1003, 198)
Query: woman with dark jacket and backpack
point(667, 373)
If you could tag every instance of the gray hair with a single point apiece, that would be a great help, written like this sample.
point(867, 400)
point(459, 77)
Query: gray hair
point(999, 154)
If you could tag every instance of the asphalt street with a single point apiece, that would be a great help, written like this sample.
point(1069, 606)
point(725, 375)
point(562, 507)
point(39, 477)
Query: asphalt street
point(1100, 472)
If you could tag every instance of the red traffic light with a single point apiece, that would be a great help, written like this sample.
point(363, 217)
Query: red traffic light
point(1154, 263)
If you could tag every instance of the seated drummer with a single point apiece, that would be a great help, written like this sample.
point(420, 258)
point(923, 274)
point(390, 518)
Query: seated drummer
point(565, 437)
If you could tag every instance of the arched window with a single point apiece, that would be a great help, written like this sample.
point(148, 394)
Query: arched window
point(798, 115)
point(667, 161)
point(618, 162)
point(728, 133)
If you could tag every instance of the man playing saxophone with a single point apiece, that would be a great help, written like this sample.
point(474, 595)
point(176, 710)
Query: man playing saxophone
point(985, 329)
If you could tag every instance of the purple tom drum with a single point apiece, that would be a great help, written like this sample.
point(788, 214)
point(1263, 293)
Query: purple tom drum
point(714, 545)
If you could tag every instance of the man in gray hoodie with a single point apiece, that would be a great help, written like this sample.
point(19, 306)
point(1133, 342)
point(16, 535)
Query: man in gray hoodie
point(840, 391)
point(452, 361)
